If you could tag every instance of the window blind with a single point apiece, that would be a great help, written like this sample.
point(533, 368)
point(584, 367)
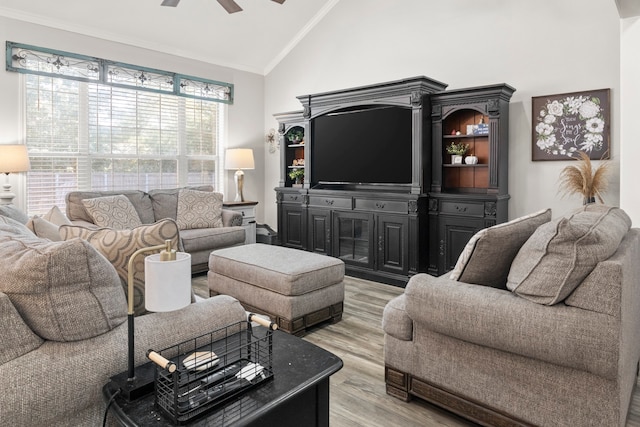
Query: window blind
point(89, 136)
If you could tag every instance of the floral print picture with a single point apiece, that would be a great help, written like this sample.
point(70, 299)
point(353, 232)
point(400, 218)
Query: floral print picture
point(568, 123)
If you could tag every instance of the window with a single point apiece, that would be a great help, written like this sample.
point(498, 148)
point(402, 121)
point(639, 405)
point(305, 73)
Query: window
point(90, 136)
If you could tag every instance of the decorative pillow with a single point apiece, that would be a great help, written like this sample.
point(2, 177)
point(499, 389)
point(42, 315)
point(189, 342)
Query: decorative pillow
point(56, 217)
point(118, 245)
point(43, 228)
point(487, 257)
point(199, 209)
point(560, 254)
point(64, 291)
point(113, 212)
point(10, 211)
point(165, 200)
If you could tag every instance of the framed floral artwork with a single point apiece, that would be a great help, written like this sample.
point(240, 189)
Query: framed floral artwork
point(564, 124)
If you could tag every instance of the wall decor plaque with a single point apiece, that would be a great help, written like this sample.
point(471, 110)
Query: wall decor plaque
point(564, 124)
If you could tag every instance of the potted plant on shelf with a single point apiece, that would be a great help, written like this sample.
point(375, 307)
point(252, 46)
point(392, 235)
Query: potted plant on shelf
point(295, 136)
point(297, 176)
point(457, 150)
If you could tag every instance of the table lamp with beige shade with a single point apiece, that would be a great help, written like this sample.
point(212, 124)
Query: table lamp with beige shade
point(239, 159)
point(14, 158)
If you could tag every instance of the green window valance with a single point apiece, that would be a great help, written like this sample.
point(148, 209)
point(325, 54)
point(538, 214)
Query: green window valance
point(28, 59)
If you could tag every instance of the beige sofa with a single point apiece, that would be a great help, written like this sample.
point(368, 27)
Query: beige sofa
point(159, 204)
point(64, 332)
point(545, 334)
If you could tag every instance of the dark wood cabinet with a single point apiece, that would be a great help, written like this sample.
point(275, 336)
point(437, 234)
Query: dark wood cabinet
point(292, 218)
point(353, 237)
point(319, 224)
point(393, 244)
point(419, 223)
point(465, 198)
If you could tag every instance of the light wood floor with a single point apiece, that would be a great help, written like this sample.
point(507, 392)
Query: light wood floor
point(358, 396)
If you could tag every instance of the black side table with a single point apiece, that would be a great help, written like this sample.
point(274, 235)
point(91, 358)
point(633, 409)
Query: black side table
point(297, 395)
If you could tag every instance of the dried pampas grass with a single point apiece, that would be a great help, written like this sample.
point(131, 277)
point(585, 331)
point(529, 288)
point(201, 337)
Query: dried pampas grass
point(582, 179)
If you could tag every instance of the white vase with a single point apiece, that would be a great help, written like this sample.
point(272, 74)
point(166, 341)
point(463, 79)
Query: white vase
point(471, 160)
point(456, 159)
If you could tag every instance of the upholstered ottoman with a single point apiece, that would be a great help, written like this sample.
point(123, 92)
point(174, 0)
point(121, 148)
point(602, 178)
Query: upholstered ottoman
point(295, 288)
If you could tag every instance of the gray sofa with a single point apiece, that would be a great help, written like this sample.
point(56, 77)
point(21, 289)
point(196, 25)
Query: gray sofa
point(545, 334)
point(64, 329)
point(159, 204)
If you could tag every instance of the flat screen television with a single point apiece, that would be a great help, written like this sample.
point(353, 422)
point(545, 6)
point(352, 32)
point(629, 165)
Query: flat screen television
point(362, 146)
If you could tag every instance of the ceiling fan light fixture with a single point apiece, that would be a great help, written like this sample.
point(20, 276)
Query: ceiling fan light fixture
point(230, 6)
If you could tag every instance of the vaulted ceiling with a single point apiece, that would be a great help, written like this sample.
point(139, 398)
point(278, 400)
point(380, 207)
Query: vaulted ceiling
point(252, 40)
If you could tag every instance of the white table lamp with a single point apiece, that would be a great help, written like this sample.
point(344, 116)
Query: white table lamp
point(167, 288)
point(13, 158)
point(167, 284)
point(239, 159)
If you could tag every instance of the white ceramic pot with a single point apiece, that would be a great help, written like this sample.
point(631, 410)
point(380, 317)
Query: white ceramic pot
point(456, 159)
point(471, 160)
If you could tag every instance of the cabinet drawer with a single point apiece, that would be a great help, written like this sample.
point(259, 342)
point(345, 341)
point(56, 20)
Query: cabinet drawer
point(330, 202)
point(462, 208)
point(288, 197)
point(249, 212)
point(382, 205)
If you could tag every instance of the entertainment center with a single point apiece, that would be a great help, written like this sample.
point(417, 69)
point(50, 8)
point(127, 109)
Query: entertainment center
point(379, 190)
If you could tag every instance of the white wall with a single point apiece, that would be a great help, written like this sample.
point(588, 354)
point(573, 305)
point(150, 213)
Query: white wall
point(630, 130)
point(540, 48)
point(245, 125)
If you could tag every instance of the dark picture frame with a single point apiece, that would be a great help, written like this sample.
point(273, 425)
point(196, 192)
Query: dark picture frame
point(564, 124)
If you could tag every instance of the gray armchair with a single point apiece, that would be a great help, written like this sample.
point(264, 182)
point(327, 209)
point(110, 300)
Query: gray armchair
point(556, 345)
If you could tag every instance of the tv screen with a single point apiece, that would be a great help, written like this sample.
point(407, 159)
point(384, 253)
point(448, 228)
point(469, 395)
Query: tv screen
point(362, 146)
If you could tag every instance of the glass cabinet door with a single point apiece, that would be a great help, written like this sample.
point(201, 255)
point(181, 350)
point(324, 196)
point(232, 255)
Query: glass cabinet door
point(352, 235)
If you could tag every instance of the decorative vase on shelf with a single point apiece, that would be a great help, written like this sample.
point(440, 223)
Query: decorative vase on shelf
point(456, 159)
point(471, 160)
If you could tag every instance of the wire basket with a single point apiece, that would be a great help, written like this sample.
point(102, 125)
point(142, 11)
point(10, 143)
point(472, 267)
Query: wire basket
point(203, 373)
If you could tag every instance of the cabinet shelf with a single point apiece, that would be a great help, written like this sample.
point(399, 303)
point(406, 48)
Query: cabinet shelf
point(295, 145)
point(465, 136)
point(483, 165)
point(296, 167)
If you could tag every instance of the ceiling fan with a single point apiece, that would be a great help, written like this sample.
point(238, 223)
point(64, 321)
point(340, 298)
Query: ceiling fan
point(229, 5)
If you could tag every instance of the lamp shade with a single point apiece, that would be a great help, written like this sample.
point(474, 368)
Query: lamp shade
point(239, 158)
point(14, 158)
point(167, 283)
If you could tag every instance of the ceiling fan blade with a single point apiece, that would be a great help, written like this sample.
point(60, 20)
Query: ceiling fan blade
point(172, 3)
point(230, 6)
point(279, 1)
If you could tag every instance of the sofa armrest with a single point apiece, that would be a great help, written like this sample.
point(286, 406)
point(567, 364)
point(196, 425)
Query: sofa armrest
point(498, 319)
point(231, 218)
point(395, 320)
point(33, 383)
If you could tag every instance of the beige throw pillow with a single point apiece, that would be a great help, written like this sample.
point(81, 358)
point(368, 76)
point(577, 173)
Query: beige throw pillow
point(113, 212)
point(64, 291)
point(118, 246)
point(487, 257)
point(55, 216)
point(562, 253)
point(43, 228)
point(48, 225)
point(199, 209)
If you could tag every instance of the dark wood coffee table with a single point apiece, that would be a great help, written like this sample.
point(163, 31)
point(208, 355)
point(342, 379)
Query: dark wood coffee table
point(297, 395)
